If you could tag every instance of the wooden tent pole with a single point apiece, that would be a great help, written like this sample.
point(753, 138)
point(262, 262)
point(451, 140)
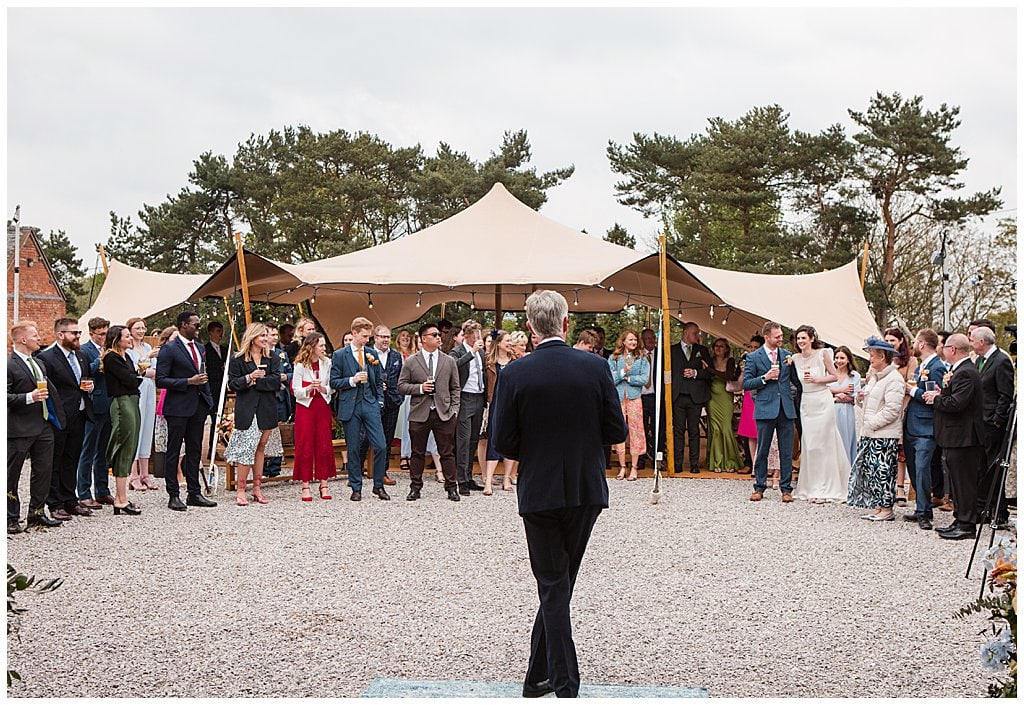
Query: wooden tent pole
point(666, 356)
point(864, 265)
point(498, 314)
point(244, 278)
point(103, 260)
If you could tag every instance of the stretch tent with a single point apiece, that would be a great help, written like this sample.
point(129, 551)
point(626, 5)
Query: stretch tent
point(500, 249)
point(129, 291)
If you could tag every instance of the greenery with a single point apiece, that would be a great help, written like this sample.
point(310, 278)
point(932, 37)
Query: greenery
point(19, 582)
point(66, 267)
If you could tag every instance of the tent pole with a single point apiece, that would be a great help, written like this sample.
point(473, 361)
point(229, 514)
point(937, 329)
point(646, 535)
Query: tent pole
point(103, 259)
point(211, 476)
point(245, 279)
point(864, 265)
point(231, 322)
point(498, 315)
point(442, 309)
point(666, 357)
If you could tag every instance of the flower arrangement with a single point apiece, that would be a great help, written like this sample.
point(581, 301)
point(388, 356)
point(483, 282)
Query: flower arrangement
point(226, 427)
point(999, 653)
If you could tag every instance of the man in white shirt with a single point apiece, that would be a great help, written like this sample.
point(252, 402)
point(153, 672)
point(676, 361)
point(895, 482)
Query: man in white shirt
point(469, 359)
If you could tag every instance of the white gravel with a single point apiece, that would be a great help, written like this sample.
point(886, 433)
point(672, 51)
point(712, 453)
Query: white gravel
point(315, 599)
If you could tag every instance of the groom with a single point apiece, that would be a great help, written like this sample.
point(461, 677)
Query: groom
point(767, 376)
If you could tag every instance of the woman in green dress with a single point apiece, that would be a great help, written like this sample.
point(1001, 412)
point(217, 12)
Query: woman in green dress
point(125, 419)
point(723, 453)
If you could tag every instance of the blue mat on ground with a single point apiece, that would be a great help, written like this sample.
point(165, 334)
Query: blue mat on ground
point(404, 688)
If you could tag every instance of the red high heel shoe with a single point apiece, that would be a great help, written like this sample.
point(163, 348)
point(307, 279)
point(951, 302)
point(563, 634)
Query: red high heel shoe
point(257, 492)
point(325, 492)
point(305, 497)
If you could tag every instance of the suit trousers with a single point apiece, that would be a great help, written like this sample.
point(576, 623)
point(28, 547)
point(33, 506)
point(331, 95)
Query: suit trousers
point(919, 451)
point(92, 465)
point(992, 471)
point(444, 437)
point(389, 420)
point(557, 540)
point(38, 449)
point(648, 406)
point(964, 468)
point(366, 418)
point(686, 425)
point(471, 416)
point(190, 430)
point(939, 488)
point(67, 450)
point(782, 426)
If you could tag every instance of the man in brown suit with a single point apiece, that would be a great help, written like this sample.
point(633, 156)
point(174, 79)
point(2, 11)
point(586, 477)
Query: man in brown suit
point(960, 431)
point(431, 378)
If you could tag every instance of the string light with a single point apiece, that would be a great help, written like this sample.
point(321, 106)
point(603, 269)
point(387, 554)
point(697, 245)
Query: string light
point(627, 300)
point(312, 299)
point(419, 298)
point(369, 300)
point(726, 319)
point(611, 288)
point(576, 300)
point(472, 300)
point(711, 312)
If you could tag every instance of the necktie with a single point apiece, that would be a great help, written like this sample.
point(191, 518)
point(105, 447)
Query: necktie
point(362, 363)
point(195, 357)
point(430, 364)
point(686, 350)
point(73, 361)
point(38, 374)
point(981, 363)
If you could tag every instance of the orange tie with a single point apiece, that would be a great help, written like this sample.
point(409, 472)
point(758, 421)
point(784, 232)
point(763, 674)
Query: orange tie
point(361, 363)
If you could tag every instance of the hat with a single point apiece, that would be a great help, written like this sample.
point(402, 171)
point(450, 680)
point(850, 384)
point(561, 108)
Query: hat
point(876, 343)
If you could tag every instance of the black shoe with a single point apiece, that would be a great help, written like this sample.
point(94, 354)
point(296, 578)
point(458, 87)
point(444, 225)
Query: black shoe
point(198, 500)
point(357, 496)
point(951, 527)
point(925, 523)
point(910, 517)
point(474, 485)
point(381, 493)
point(413, 496)
point(14, 527)
point(642, 463)
point(957, 534)
point(453, 495)
point(176, 504)
point(694, 471)
point(537, 690)
point(42, 520)
point(464, 489)
point(129, 509)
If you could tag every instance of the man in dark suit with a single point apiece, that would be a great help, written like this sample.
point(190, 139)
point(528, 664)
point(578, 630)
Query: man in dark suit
point(556, 409)
point(181, 370)
point(997, 390)
point(432, 380)
point(69, 374)
point(919, 427)
point(29, 428)
point(960, 430)
point(767, 375)
point(469, 358)
point(391, 365)
point(216, 363)
point(92, 465)
point(691, 390)
point(356, 375)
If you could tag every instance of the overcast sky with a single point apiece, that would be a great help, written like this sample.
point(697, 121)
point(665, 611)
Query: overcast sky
point(108, 108)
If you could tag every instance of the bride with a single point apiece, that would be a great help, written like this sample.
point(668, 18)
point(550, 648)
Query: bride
point(824, 467)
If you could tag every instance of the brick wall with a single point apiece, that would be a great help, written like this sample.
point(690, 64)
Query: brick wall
point(40, 299)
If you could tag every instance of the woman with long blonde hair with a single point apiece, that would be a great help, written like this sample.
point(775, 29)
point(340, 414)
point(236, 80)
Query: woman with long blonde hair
point(144, 358)
point(254, 374)
point(630, 371)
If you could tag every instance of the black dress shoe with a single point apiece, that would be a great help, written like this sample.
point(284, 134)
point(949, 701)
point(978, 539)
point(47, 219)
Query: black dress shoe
point(910, 517)
point(537, 690)
point(925, 523)
point(81, 511)
point(474, 485)
point(60, 515)
point(694, 471)
point(957, 534)
point(464, 489)
point(413, 496)
point(42, 520)
point(14, 527)
point(453, 495)
point(381, 493)
point(176, 504)
point(357, 496)
point(198, 500)
point(951, 527)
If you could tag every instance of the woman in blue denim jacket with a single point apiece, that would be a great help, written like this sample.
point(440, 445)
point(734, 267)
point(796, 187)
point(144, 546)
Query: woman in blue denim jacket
point(630, 370)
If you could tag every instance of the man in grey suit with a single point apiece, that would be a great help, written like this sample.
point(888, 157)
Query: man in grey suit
point(432, 380)
point(469, 357)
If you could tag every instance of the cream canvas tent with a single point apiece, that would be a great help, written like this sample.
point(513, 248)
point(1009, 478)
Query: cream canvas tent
point(129, 291)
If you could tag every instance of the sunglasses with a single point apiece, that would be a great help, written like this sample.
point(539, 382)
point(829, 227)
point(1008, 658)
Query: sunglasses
point(434, 335)
point(75, 333)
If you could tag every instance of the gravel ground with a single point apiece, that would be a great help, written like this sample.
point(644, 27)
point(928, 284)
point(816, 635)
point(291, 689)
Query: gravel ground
point(315, 599)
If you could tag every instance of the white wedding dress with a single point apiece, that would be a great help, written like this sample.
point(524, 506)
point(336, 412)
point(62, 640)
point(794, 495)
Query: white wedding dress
point(824, 467)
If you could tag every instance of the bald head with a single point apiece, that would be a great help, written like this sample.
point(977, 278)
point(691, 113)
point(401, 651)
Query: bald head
point(957, 347)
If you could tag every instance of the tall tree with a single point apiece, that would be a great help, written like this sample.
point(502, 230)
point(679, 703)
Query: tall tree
point(905, 159)
point(620, 236)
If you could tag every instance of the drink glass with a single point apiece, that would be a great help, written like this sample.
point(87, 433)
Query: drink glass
point(931, 386)
point(41, 384)
point(86, 385)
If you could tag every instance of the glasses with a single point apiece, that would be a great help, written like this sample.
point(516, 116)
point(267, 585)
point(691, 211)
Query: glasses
point(435, 334)
point(75, 333)
point(949, 347)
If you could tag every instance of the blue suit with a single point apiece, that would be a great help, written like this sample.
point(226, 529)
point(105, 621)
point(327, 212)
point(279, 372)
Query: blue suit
point(919, 436)
point(92, 464)
point(359, 408)
point(774, 413)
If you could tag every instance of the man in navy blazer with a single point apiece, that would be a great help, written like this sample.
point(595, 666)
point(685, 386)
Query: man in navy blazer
point(918, 425)
point(181, 370)
point(92, 464)
point(357, 377)
point(767, 376)
point(556, 410)
point(391, 366)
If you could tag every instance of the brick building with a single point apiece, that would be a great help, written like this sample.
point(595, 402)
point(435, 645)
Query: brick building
point(40, 298)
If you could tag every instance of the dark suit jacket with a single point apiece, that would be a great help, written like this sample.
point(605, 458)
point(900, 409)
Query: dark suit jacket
point(997, 388)
point(463, 358)
point(699, 387)
point(26, 420)
point(100, 399)
point(63, 378)
point(447, 390)
point(392, 370)
point(556, 410)
point(769, 395)
point(919, 418)
point(258, 401)
point(215, 365)
point(959, 419)
point(343, 367)
point(173, 368)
